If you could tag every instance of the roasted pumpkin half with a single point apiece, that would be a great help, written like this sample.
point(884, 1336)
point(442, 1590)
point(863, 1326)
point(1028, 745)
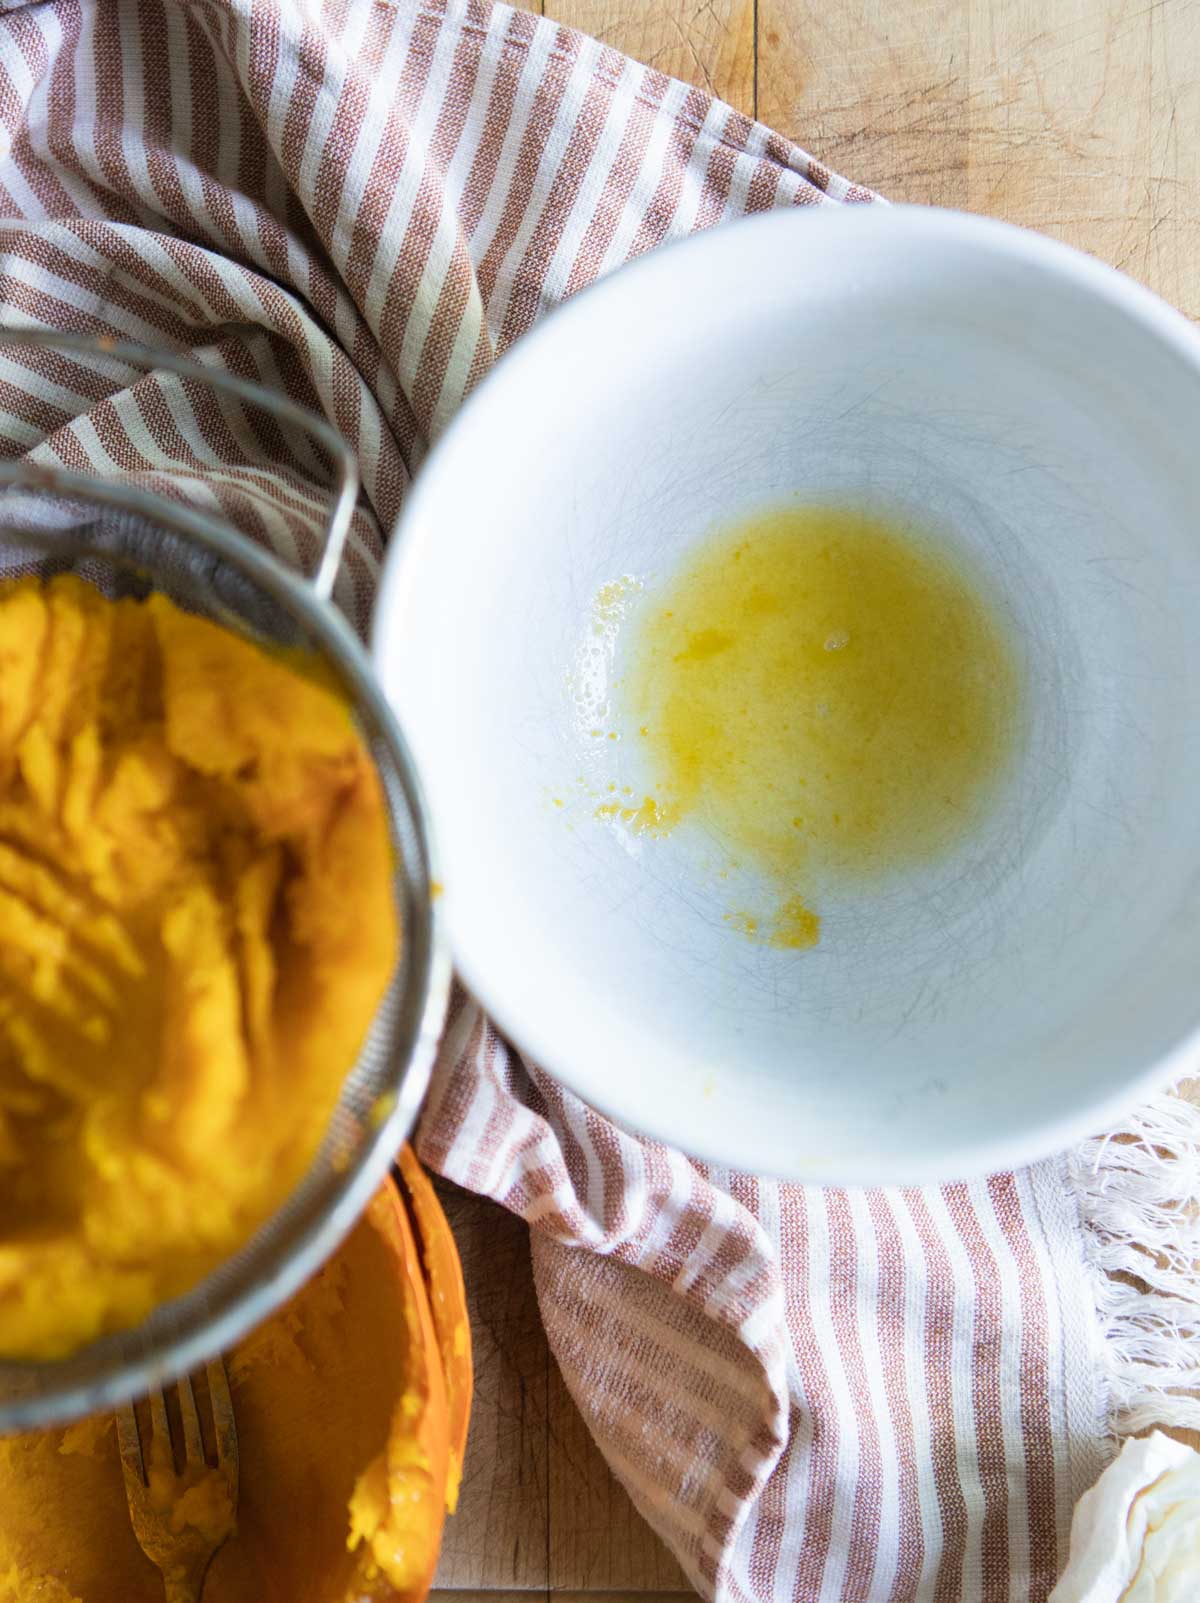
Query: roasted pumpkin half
point(352, 1405)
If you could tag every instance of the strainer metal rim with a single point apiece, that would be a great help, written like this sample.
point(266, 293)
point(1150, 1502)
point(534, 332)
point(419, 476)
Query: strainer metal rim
point(423, 1003)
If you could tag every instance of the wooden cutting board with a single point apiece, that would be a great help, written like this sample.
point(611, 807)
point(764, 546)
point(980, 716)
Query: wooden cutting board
point(1076, 117)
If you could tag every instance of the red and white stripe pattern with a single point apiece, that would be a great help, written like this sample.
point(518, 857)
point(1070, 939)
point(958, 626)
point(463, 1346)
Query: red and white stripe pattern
point(816, 1396)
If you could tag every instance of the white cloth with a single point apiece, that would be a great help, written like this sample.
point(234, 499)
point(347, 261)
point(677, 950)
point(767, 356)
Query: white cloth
point(1135, 1537)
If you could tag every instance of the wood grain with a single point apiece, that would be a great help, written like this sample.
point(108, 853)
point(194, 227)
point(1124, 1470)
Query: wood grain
point(1076, 117)
point(585, 1595)
point(598, 1542)
point(706, 42)
point(539, 1509)
point(876, 91)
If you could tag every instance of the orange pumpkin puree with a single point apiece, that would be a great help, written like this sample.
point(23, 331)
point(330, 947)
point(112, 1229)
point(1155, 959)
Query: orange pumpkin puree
point(196, 926)
point(330, 1396)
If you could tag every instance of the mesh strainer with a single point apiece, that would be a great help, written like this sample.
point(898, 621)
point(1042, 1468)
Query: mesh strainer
point(129, 541)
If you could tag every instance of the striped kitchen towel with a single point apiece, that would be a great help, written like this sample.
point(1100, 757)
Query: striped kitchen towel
point(818, 1396)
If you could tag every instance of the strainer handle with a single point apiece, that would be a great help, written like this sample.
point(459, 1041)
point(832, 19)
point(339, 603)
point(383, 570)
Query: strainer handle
point(345, 498)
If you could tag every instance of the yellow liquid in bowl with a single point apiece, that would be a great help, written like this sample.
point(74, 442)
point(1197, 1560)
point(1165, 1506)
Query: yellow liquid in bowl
point(830, 695)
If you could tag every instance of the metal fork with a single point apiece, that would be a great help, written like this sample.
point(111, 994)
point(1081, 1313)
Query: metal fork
point(183, 1547)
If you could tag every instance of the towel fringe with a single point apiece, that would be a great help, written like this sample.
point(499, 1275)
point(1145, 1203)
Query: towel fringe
point(1139, 1203)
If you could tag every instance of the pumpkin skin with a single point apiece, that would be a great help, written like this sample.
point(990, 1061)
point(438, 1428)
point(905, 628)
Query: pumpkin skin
point(448, 1303)
point(398, 1505)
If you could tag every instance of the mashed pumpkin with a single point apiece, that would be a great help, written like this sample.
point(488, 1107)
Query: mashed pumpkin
point(196, 926)
point(331, 1397)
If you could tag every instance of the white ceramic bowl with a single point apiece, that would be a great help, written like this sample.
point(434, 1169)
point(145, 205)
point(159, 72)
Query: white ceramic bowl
point(1038, 409)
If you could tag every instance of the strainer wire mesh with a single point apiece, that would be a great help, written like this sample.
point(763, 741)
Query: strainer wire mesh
point(128, 541)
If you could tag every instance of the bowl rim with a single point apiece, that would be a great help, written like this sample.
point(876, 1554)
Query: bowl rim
point(690, 1128)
